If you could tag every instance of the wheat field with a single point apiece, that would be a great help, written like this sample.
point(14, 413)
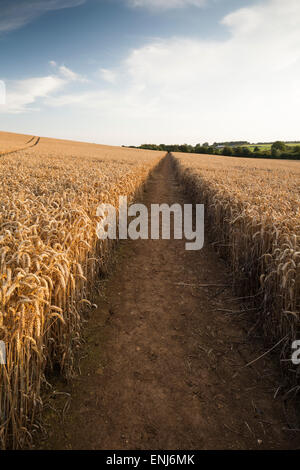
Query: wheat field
point(253, 214)
point(49, 256)
point(10, 142)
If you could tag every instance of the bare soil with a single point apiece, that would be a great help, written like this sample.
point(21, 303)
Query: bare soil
point(163, 366)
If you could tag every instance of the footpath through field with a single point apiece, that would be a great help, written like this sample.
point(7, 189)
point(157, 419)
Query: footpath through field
point(163, 364)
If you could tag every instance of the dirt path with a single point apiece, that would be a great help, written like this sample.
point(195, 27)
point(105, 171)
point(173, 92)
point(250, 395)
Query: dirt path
point(163, 365)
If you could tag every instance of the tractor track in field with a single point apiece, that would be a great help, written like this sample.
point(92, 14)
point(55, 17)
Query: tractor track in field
point(163, 366)
point(31, 143)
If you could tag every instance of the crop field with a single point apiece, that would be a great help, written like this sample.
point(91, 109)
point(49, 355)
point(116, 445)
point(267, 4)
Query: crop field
point(162, 303)
point(49, 256)
point(150, 265)
point(10, 141)
point(253, 213)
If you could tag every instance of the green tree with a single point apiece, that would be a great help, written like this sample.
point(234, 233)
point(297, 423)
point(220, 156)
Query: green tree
point(275, 152)
point(278, 145)
point(297, 149)
point(246, 151)
point(227, 151)
point(198, 148)
point(238, 151)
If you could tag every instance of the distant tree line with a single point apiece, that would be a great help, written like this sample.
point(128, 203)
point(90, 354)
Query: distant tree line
point(285, 142)
point(235, 143)
point(278, 149)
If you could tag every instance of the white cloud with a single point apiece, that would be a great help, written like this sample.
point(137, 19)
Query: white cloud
point(67, 73)
point(22, 94)
point(17, 13)
point(108, 75)
point(70, 75)
point(166, 4)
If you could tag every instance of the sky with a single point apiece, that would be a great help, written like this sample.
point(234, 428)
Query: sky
point(128, 72)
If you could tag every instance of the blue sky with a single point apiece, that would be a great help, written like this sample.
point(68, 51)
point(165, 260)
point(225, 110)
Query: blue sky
point(134, 71)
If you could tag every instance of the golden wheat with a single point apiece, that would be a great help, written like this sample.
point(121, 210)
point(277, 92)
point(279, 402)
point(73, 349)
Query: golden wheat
point(49, 257)
point(253, 213)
